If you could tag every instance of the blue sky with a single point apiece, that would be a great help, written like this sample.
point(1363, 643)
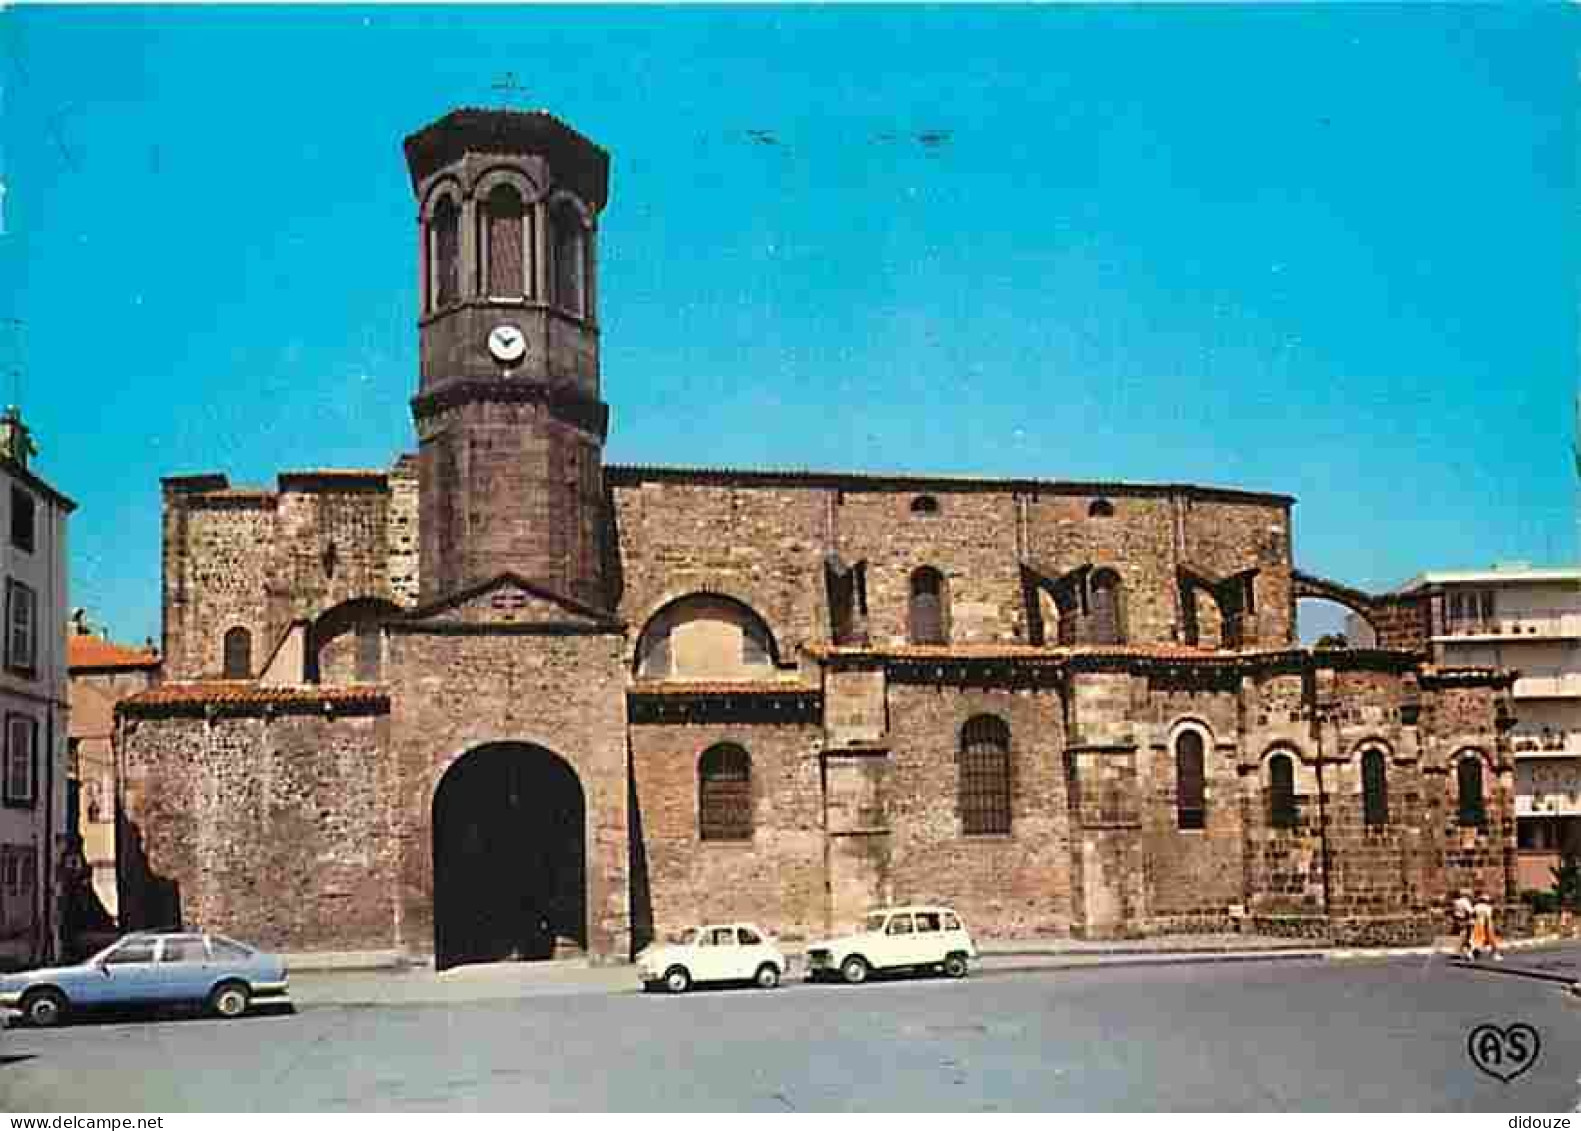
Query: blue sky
point(1323, 250)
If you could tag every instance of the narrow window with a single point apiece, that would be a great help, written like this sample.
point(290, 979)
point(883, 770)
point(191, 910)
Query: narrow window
point(21, 760)
point(444, 254)
point(1106, 607)
point(369, 661)
point(1468, 780)
point(927, 607)
point(22, 627)
point(1282, 792)
point(23, 511)
point(724, 787)
point(1100, 508)
point(238, 654)
point(1374, 789)
point(754, 645)
point(569, 261)
point(985, 777)
point(1191, 805)
point(925, 504)
point(654, 662)
point(504, 245)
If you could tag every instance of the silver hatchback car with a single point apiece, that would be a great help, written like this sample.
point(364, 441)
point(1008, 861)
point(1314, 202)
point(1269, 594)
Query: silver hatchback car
point(147, 970)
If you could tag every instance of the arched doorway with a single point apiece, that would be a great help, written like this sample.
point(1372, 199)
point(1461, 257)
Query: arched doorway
point(510, 856)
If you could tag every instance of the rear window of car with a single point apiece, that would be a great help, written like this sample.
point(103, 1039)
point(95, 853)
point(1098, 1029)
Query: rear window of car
point(951, 923)
point(748, 937)
point(224, 948)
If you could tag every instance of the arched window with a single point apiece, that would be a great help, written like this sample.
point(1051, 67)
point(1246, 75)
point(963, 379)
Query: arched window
point(1100, 508)
point(504, 244)
point(1106, 607)
point(724, 793)
point(985, 776)
point(570, 260)
point(238, 654)
point(444, 254)
point(1191, 789)
point(1374, 789)
point(924, 504)
point(926, 614)
point(708, 637)
point(1468, 781)
point(1282, 791)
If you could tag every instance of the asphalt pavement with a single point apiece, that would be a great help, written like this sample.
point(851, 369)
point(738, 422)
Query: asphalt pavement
point(1296, 1034)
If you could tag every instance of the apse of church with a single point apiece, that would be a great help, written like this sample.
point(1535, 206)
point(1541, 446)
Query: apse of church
point(500, 701)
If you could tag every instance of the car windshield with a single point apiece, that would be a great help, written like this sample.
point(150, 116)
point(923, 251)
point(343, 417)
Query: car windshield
point(875, 921)
point(685, 938)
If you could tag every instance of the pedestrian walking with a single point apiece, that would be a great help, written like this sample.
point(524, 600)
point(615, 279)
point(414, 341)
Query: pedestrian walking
point(1464, 912)
point(1484, 936)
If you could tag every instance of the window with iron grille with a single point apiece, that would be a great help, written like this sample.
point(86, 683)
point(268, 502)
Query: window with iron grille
point(23, 512)
point(985, 777)
point(724, 788)
point(1374, 789)
point(1282, 792)
point(1191, 805)
point(504, 244)
point(926, 614)
point(1468, 780)
point(238, 654)
point(21, 650)
point(21, 760)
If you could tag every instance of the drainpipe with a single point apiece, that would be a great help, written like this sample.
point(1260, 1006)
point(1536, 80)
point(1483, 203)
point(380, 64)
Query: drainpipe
point(1322, 793)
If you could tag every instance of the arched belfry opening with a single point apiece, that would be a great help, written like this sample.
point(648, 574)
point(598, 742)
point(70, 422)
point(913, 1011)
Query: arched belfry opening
point(510, 857)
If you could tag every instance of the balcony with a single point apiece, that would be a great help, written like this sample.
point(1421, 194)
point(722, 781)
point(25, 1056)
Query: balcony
point(1548, 804)
point(1548, 685)
point(1530, 624)
point(1550, 744)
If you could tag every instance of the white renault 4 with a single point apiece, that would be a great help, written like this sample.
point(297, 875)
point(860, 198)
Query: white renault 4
point(719, 952)
point(896, 938)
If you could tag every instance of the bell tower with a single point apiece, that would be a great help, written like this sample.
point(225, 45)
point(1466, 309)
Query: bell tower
point(508, 412)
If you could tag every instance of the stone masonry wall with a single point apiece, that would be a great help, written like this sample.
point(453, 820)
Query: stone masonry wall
point(777, 877)
point(452, 691)
point(274, 830)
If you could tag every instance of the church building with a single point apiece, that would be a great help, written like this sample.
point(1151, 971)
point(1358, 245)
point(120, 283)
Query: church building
point(500, 700)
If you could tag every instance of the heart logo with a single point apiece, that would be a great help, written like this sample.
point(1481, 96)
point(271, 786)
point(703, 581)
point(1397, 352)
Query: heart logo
point(1503, 1053)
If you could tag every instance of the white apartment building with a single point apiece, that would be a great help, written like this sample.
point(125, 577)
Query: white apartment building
point(1515, 616)
point(33, 693)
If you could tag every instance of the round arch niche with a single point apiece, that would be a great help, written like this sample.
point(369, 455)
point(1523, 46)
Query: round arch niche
point(510, 856)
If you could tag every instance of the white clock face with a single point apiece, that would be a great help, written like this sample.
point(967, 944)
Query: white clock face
point(507, 343)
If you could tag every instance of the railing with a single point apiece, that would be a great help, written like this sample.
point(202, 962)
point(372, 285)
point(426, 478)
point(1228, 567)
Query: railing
point(1548, 685)
point(1556, 743)
point(1528, 622)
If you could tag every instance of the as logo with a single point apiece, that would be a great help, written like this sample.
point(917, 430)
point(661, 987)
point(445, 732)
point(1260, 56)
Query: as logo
point(1503, 1053)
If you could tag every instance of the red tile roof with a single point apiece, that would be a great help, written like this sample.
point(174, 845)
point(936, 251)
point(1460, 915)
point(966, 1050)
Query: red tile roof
point(84, 651)
point(721, 687)
point(234, 692)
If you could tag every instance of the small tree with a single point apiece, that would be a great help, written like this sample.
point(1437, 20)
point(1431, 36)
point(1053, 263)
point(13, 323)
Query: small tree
point(1567, 878)
point(1333, 640)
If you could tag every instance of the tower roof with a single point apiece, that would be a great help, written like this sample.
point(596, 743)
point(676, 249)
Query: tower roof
point(577, 162)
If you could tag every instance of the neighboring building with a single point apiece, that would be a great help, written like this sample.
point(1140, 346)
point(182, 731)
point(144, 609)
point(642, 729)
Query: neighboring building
point(102, 674)
point(1529, 620)
point(33, 839)
point(500, 700)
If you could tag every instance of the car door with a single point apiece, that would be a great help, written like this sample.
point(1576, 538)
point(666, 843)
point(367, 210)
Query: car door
point(900, 941)
point(723, 954)
point(754, 951)
point(126, 975)
point(182, 970)
point(930, 938)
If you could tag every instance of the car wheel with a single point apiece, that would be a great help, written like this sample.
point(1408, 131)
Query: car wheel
point(677, 980)
point(229, 1000)
point(955, 965)
point(768, 976)
point(44, 1008)
point(854, 969)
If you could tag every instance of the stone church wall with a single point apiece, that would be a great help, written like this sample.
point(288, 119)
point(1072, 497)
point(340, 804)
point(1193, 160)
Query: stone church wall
point(776, 878)
point(275, 829)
